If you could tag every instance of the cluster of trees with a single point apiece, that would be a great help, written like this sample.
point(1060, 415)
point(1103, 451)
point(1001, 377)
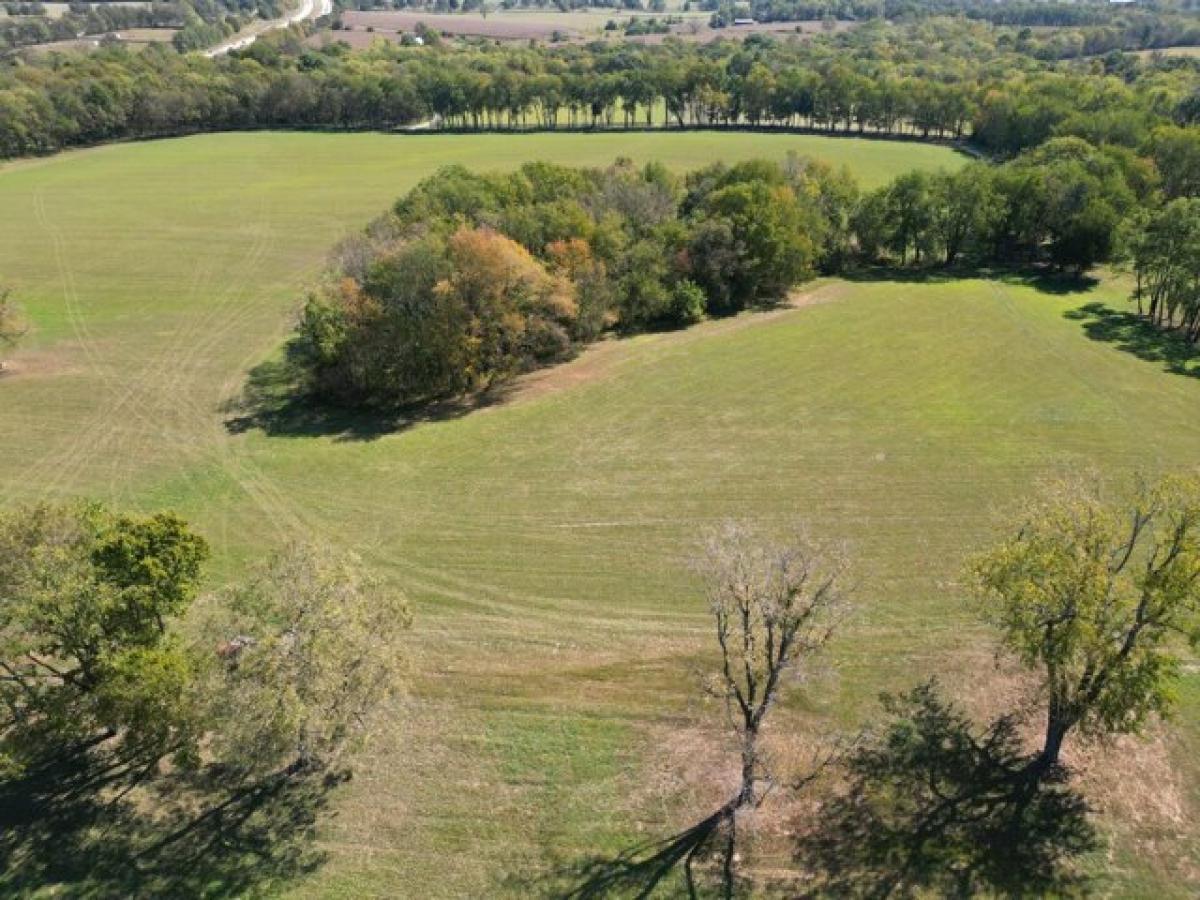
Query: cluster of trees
point(936, 78)
point(1062, 202)
point(107, 656)
point(1096, 597)
point(474, 278)
point(1164, 249)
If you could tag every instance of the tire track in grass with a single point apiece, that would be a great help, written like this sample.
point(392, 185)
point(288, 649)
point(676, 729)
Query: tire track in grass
point(194, 341)
point(168, 367)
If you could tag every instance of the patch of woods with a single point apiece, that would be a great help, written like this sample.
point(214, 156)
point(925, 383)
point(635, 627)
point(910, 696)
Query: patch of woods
point(130, 700)
point(1003, 89)
point(1095, 595)
point(474, 278)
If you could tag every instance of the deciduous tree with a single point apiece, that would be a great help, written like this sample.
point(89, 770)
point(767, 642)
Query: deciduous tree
point(775, 605)
point(89, 600)
point(1095, 596)
point(312, 648)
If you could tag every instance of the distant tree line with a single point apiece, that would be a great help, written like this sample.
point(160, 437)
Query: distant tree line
point(26, 28)
point(473, 278)
point(200, 22)
point(940, 79)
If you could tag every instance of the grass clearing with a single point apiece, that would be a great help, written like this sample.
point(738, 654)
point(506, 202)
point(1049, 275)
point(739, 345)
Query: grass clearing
point(544, 541)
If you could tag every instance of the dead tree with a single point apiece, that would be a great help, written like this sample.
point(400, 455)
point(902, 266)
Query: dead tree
point(775, 605)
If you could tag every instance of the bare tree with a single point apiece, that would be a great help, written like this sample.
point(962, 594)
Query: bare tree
point(775, 605)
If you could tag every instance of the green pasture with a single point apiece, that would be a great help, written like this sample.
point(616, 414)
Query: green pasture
point(545, 540)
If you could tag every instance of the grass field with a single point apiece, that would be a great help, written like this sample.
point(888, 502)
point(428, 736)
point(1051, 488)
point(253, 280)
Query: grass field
point(544, 541)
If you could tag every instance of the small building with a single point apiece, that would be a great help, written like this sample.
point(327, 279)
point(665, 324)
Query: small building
point(744, 22)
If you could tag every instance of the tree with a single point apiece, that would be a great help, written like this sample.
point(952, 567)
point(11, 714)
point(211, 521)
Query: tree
point(310, 651)
point(965, 209)
point(1164, 246)
point(1091, 594)
point(768, 247)
point(936, 805)
point(774, 606)
point(1176, 154)
point(910, 206)
point(89, 600)
point(11, 325)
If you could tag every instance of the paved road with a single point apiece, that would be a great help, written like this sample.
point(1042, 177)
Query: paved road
point(308, 9)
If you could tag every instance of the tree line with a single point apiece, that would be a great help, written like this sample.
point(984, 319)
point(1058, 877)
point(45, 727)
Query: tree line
point(935, 79)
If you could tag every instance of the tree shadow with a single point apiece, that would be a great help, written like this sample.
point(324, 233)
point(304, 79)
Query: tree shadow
point(1044, 279)
point(933, 807)
point(1131, 333)
point(676, 866)
point(275, 401)
point(85, 827)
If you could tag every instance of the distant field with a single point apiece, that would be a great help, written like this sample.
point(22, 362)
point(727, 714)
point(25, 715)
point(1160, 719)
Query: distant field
point(542, 25)
point(135, 38)
point(545, 541)
point(58, 10)
point(504, 27)
point(1170, 51)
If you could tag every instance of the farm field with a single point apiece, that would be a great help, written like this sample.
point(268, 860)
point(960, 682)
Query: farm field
point(545, 540)
point(364, 26)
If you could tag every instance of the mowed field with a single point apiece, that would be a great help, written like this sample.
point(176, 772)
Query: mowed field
point(553, 710)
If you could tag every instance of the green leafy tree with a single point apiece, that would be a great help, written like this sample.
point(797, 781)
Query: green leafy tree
point(1094, 595)
point(89, 600)
point(767, 245)
point(965, 207)
point(1176, 154)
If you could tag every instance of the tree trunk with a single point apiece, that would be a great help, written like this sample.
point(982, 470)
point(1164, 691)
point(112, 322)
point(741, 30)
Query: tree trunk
point(1056, 732)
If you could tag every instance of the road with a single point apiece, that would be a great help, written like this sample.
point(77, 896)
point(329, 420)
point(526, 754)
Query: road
point(308, 9)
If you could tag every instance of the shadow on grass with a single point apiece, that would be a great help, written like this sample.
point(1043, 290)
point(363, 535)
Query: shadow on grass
point(74, 827)
point(677, 866)
point(1133, 334)
point(1043, 279)
point(933, 808)
point(275, 402)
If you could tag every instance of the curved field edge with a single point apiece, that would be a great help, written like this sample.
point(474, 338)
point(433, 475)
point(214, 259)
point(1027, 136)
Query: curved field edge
point(545, 541)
